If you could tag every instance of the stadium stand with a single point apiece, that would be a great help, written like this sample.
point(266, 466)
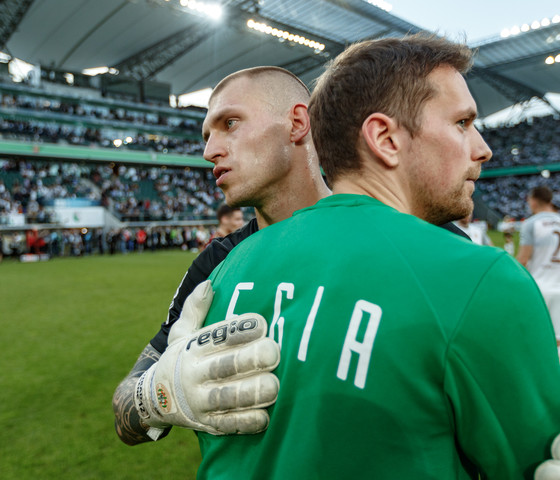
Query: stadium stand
point(531, 146)
point(535, 141)
point(172, 203)
point(112, 141)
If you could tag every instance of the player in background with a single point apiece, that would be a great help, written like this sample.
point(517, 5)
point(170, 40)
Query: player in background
point(477, 233)
point(230, 219)
point(392, 366)
point(539, 249)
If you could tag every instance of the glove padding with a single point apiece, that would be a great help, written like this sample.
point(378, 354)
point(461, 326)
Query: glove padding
point(550, 470)
point(216, 379)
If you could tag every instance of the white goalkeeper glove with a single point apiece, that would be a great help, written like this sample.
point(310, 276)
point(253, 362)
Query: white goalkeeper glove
point(216, 379)
point(550, 470)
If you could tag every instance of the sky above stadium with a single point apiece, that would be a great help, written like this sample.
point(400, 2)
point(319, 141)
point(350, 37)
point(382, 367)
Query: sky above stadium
point(479, 19)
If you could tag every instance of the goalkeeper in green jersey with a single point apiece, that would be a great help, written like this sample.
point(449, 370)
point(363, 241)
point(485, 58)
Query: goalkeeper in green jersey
point(392, 365)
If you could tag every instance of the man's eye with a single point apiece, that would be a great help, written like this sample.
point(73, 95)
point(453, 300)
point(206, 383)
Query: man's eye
point(230, 122)
point(463, 123)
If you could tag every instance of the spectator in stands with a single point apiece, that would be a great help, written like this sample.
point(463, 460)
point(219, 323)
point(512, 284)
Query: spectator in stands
point(140, 239)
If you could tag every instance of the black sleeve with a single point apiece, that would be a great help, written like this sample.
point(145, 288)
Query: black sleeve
point(455, 229)
point(198, 272)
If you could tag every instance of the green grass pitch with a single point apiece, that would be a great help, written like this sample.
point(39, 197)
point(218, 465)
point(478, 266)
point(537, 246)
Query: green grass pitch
point(71, 330)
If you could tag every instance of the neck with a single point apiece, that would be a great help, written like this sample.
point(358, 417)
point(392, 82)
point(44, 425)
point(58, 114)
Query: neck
point(301, 189)
point(379, 185)
point(543, 208)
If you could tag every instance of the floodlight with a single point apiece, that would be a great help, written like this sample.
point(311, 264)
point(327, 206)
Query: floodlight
point(545, 22)
point(549, 60)
point(282, 35)
point(535, 25)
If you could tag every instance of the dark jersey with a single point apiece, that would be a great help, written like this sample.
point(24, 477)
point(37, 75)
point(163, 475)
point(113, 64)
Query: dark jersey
point(197, 273)
point(207, 261)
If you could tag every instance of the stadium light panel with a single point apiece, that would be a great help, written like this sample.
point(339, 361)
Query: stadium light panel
point(536, 25)
point(549, 60)
point(556, 19)
point(557, 58)
point(212, 10)
point(92, 72)
point(283, 35)
point(525, 27)
point(382, 4)
point(545, 22)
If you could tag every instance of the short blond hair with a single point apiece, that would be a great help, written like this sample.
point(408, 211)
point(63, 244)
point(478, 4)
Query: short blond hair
point(281, 84)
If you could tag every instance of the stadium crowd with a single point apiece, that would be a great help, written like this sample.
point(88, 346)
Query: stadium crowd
point(535, 141)
point(140, 194)
point(508, 195)
point(131, 193)
point(81, 242)
point(170, 134)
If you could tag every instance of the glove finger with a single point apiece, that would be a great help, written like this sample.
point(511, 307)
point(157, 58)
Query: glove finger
point(257, 391)
point(239, 361)
point(549, 470)
point(248, 421)
point(555, 449)
point(226, 334)
point(193, 313)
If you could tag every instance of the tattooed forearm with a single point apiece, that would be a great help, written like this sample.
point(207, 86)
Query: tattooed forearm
point(128, 424)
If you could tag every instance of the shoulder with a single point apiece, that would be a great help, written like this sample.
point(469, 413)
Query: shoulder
point(221, 244)
point(219, 248)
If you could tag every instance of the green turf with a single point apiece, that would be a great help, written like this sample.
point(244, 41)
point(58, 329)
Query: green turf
point(71, 330)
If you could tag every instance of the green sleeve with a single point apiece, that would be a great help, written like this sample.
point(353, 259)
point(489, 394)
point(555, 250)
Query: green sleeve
point(502, 375)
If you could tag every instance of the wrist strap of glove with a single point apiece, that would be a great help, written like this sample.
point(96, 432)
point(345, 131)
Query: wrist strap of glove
point(143, 403)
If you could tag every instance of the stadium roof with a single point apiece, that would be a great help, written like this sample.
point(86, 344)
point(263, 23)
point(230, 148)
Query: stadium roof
point(171, 41)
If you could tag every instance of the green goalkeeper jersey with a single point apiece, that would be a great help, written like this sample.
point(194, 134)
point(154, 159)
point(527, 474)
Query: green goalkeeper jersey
point(407, 352)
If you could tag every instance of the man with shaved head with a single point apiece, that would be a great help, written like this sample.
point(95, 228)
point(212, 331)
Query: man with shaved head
point(258, 138)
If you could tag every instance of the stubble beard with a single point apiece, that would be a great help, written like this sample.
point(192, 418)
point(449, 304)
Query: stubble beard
point(449, 208)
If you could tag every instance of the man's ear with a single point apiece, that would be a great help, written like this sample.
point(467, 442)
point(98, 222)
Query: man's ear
point(381, 134)
point(300, 123)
